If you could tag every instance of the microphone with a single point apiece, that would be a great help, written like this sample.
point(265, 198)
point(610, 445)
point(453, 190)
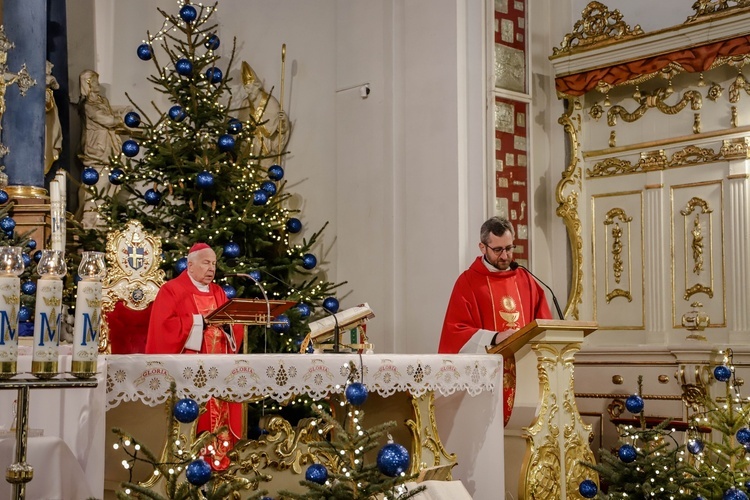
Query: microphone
point(515, 265)
point(265, 298)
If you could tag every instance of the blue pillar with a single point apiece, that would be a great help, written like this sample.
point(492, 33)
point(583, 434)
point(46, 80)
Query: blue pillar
point(23, 122)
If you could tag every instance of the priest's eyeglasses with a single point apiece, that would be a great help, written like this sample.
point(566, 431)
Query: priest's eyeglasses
point(499, 250)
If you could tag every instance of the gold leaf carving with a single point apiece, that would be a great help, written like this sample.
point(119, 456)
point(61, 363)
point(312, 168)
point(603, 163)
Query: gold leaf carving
point(704, 8)
point(656, 100)
point(597, 25)
point(735, 149)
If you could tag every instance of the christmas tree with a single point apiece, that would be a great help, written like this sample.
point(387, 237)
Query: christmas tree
point(348, 473)
point(712, 462)
point(209, 169)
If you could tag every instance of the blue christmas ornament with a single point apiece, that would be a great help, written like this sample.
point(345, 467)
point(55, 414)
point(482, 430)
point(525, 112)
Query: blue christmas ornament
point(317, 473)
point(214, 75)
point(28, 288)
point(743, 435)
point(132, 119)
point(356, 393)
point(116, 176)
point(260, 197)
point(304, 310)
point(24, 313)
point(232, 250)
point(176, 113)
point(234, 126)
point(184, 67)
point(695, 446)
point(331, 304)
point(587, 488)
point(255, 274)
point(212, 42)
point(276, 172)
point(185, 410)
point(204, 180)
point(31, 244)
point(7, 224)
point(188, 13)
point(393, 459)
point(734, 494)
point(37, 256)
point(281, 323)
point(269, 187)
point(152, 197)
point(229, 291)
point(26, 258)
point(225, 142)
point(130, 148)
point(180, 265)
point(3, 197)
point(634, 403)
point(627, 453)
point(89, 176)
point(294, 225)
point(722, 373)
point(309, 261)
point(198, 472)
point(144, 52)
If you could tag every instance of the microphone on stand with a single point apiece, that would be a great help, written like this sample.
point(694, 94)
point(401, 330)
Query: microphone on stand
point(265, 298)
point(515, 265)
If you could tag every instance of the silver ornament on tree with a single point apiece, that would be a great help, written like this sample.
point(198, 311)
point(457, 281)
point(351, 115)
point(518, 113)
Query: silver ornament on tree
point(51, 267)
point(11, 266)
point(88, 314)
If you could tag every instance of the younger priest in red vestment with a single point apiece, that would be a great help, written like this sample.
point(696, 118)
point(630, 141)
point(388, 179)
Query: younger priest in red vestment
point(177, 327)
point(490, 301)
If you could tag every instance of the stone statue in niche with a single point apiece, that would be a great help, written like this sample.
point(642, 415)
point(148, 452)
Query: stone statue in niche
point(263, 109)
point(52, 129)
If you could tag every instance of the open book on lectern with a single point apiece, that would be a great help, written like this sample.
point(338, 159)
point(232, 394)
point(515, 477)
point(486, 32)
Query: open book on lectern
point(347, 319)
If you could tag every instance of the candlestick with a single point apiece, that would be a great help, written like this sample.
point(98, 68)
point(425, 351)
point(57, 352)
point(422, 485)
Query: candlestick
point(11, 266)
point(88, 314)
point(51, 268)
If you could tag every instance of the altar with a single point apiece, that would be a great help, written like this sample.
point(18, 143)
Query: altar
point(448, 407)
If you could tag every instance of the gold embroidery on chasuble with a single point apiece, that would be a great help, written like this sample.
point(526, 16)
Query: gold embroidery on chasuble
point(213, 337)
point(505, 299)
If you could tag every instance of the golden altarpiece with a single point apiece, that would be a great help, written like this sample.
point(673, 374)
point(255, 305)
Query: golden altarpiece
point(654, 197)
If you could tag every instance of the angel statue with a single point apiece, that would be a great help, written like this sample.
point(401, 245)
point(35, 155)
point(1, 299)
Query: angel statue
point(260, 107)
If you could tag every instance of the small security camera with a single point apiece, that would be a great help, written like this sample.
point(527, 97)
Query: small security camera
point(364, 91)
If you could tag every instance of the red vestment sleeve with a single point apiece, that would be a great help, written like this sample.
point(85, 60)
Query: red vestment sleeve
point(167, 331)
point(461, 318)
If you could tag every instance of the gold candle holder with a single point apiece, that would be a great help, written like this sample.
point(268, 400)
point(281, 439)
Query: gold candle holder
point(11, 266)
point(47, 314)
point(88, 314)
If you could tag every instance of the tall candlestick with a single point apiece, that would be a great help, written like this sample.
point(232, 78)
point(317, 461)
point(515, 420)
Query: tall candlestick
point(51, 267)
point(88, 314)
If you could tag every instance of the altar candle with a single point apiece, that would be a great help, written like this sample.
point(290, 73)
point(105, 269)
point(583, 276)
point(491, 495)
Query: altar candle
point(54, 196)
point(47, 315)
point(88, 314)
point(10, 291)
point(63, 190)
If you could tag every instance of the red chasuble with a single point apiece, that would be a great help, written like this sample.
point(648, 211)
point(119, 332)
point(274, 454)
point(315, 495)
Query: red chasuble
point(168, 330)
point(496, 301)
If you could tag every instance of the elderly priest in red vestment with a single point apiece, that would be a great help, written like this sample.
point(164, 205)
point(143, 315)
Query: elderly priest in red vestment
point(490, 301)
point(177, 326)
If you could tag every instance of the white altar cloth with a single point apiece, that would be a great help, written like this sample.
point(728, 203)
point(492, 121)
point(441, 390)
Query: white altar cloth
point(467, 389)
point(146, 378)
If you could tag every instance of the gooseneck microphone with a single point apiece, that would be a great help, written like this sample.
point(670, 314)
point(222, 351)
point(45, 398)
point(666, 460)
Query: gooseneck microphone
point(515, 265)
point(268, 305)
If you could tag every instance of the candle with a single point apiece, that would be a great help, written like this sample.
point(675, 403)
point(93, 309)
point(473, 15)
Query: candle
point(88, 314)
point(54, 197)
point(47, 314)
point(11, 265)
point(63, 189)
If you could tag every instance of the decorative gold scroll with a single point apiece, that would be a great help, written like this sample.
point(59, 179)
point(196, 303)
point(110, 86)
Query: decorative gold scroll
point(596, 26)
point(694, 244)
point(704, 8)
point(655, 100)
point(618, 266)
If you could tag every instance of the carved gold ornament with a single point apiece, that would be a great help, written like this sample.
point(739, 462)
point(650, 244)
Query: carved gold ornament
point(705, 8)
point(596, 26)
point(657, 160)
point(618, 266)
point(656, 100)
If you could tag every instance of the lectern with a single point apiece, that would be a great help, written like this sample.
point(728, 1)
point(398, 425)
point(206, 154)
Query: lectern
point(557, 440)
